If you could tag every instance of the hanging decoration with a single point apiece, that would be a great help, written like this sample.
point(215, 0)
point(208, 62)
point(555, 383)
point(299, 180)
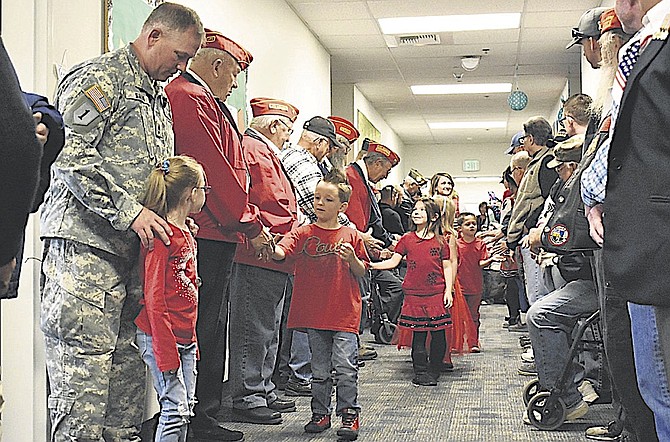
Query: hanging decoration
point(517, 99)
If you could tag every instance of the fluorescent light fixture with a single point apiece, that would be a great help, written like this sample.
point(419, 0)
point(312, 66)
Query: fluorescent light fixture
point(468, 125)
point(449, 23)
point(461, 88)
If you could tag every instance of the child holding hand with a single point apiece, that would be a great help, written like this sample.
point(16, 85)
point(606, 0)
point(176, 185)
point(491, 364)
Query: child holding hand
point(166, 324)
point(326, 303)
point(427, 286)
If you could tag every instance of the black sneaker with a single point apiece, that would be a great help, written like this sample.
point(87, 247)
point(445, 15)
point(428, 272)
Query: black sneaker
point(318, 424)
point(350, 424)
point(215, 433)
point(447, 367)
point(296, 387)
point(424, 380)
point(282, 405)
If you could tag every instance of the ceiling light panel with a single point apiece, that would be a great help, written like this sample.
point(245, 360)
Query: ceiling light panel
point(468, 125)
point(460, 88)
point(449, 23)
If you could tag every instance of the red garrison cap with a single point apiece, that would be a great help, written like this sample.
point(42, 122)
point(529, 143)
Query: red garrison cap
point(388, 153)
point(345, 128)
point(608, 21)
point(270, 106)
point(216, 40)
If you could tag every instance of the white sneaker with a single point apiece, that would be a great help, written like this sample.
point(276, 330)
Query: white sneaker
point(577, 411)
point(528, 355)
point(588, 393)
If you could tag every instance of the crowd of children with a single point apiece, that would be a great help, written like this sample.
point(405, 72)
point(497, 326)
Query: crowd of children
point(444, 268)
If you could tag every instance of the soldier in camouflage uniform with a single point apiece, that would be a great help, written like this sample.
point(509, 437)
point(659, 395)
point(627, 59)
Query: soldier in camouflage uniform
point(118, 126)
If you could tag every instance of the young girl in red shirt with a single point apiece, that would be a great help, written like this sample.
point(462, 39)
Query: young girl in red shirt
point(427, 286)
point(166, 324)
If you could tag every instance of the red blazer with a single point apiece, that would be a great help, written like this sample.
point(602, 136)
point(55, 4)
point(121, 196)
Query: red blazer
point(202, 131)
point(359, 207)
point(272, 193)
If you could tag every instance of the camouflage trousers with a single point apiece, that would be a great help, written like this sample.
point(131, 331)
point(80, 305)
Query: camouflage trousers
point(96, 375)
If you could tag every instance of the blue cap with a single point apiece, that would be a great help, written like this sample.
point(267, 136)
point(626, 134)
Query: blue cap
point(516, 142)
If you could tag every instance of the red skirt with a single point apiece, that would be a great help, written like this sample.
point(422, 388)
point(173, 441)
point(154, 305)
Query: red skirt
point(420, 313)
point(463, 325)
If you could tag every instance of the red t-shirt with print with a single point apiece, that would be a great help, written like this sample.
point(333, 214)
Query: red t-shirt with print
point(470, 274)
point(425, 273)
point(326, 295)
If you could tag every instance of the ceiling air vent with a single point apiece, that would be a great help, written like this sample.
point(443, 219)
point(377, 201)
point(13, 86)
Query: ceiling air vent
point(393, 41)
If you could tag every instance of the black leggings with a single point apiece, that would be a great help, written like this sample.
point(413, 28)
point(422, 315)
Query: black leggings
point(438, 347)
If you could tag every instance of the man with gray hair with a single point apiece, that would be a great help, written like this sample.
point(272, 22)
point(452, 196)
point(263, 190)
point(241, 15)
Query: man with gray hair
point(533, 190)
point(257, 287)
point(119, 126)
point(587, 34)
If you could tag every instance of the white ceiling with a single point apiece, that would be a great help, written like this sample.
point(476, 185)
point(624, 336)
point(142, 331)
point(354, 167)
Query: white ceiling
point(349, 31)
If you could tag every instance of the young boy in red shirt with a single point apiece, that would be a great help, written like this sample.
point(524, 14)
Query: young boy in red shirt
point(326, 302)
point(472, 257)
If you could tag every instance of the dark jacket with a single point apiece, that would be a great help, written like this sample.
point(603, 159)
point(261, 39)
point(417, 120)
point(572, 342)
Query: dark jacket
point(637, 206)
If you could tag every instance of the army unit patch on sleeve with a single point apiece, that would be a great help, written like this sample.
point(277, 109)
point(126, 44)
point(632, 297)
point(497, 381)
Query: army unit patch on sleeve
point(95, 94)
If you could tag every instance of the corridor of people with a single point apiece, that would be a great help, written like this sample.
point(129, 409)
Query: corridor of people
point(480, 401)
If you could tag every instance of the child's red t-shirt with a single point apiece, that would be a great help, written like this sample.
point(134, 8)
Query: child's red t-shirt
point(170, 303)
point(469, 273)
point(326, 295)
point(425, 272)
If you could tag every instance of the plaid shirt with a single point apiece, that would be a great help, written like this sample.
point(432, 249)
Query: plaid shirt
point(303, 170)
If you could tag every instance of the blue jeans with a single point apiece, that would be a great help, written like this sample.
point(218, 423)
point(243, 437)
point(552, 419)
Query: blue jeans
point(256, 304)
point(301, 355)
point(534, 277)
point(176, 392)
point(334, 350)
point(550, 323)
point(650, 327)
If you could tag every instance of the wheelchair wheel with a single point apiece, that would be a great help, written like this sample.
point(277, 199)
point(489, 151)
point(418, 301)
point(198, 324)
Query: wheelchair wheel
point(546, 414)
point(529, 390)
point(385, 333)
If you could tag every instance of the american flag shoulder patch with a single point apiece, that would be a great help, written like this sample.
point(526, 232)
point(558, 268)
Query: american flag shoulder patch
point(95, 94)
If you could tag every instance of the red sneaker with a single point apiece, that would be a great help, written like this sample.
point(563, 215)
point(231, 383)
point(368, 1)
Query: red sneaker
point(350, 424)
point(318, 424)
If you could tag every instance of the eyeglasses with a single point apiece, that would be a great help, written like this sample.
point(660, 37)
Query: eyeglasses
point(320, 139)
point(290, 131)
point(515, 168)
point(206, 189)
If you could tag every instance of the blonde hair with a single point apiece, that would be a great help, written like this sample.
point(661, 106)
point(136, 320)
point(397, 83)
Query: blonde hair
point(167, 182)
point(610, 43)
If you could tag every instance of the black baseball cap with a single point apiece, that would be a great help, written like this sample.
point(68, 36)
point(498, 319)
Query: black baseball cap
point(587, 27)
point(324, 127)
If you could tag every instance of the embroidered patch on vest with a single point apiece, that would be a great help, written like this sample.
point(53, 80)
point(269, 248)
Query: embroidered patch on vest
point(558, 235)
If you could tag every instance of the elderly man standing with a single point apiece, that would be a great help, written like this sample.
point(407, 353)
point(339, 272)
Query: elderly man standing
point(118, 124)
point(257, 287)
point(411, 187)
point(203, 131)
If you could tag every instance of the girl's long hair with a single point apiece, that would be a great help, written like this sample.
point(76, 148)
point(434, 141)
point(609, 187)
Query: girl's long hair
point(168, 181)
point(434, 217)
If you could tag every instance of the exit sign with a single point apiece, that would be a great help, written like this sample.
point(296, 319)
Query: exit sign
point(470, 165)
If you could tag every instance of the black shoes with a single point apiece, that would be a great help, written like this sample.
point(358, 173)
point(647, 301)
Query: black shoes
point(259, 415)
point(424, 380)
point(217, 433)
point(296, 387)
point(282, 405)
